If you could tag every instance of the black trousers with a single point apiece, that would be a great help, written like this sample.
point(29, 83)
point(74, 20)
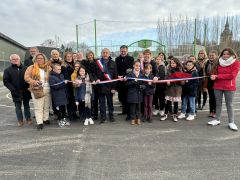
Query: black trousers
point(159, 96)
point(168, 107)
point(212, 100)
point(61, 113)
point(102, 101)
point(94, 102)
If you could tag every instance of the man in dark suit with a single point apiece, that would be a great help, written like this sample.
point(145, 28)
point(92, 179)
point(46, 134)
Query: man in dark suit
point(106, 71)
point(123, 62)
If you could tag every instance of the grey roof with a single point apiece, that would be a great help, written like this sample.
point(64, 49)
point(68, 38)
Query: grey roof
point(3, 36)
point(42, 49)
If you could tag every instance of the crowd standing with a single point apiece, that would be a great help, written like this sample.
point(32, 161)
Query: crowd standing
point(79, 88)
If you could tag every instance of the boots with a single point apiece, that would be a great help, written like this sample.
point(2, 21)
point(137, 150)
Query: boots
point(138, 121)
point(133, 122)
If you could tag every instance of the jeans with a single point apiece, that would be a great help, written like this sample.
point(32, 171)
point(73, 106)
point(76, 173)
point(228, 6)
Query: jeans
point(18, 109)
point(135, 110)
point(229, 95)
point(191, 100)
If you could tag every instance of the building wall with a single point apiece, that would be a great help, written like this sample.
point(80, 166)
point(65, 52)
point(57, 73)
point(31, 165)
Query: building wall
point(6, 49)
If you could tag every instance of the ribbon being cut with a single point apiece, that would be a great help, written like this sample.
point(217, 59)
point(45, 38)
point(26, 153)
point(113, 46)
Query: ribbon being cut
point(177, 76)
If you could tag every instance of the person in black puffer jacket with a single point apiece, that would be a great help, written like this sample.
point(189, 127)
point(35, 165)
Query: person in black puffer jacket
point(13, 79)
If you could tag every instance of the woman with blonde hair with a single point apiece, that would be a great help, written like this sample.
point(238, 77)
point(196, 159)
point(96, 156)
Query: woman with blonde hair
point(36, 76)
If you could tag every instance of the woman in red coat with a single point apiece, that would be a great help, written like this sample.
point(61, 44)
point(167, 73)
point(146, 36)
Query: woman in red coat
point(225, 84)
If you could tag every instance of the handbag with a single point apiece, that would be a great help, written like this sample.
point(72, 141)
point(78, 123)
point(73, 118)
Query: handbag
point(37, 91)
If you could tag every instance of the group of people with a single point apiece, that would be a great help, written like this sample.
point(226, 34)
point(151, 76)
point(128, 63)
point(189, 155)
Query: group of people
point(76, 84)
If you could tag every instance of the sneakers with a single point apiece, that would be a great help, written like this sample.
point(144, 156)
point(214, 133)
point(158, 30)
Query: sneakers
point(233, 126)
point(175, 118)
point(86, 122)
point(164, 117)
point(162, 113)
point(190, 117)
point(90, 120)
point(156, 112)
point(214, 122)
point(61, 123)
point(67, 123)
point(181, 116)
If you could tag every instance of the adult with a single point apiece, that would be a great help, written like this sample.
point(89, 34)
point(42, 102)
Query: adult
point(202, 91)
point(32, 51)
point(36, 76)
point(13, 79)
point(211, 68)
point(79, 57)
point(124, 61)
point(107, 70)
point(225, 84)
point(91, 68)
point(148, 60)
point(67, 69)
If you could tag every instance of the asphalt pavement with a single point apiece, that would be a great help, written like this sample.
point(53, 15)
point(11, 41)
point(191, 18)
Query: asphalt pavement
point(119, 151)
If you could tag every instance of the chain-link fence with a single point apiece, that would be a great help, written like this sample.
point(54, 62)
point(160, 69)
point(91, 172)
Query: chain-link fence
point(179, 35)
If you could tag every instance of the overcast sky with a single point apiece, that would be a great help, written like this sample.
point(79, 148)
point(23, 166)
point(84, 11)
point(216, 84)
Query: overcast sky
point(30, 22)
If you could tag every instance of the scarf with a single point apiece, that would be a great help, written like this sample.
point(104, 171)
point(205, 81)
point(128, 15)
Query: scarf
point(36, 71)
point(211, 67)
point(228, 62)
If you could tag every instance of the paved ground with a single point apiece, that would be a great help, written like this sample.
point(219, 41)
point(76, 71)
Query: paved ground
point(119, 151)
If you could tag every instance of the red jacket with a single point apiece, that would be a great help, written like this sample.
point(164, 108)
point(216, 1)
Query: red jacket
point(226, 77)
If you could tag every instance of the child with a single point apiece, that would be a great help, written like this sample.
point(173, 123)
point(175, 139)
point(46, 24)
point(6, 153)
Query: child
point(159, 96)
point(148, 93)
point(173, 90)
point(135, 95)
point(189, 91)
point(83, 94)
point(59, 95)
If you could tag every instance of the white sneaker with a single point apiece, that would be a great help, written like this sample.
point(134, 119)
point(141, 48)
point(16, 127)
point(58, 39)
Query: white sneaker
point(156, 112)
point(61, 123)
point(190, 117)
point(214, 122)
point(90, 120)
point(175, 118)
point(67, 123)
point(233, 126)
point(86, 122)
point(162, 113)
point(181, 116)
point(163, 118)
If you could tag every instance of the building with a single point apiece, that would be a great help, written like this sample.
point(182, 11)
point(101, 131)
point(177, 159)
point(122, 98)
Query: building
point(226, 37)
point(9, 46)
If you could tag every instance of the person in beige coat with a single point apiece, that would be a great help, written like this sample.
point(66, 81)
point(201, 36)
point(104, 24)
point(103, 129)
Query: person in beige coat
point(36, 76)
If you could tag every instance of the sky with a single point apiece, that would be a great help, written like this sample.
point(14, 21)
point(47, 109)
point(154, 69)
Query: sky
point(31, 22)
